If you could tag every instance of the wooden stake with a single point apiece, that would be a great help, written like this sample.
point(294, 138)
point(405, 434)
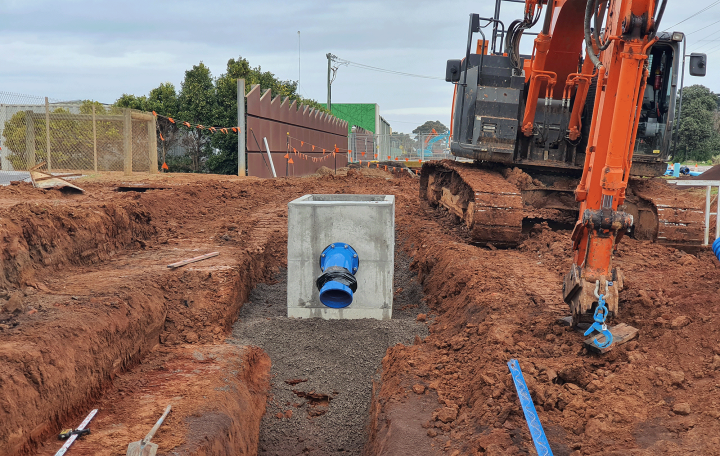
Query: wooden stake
point(193, 260)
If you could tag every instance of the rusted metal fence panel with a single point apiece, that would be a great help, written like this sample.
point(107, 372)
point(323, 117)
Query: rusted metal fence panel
point(301, 132)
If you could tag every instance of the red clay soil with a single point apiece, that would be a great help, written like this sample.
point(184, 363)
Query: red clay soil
point(656, 395)
point(94, 298)
point(106, 325)
point(224, 420)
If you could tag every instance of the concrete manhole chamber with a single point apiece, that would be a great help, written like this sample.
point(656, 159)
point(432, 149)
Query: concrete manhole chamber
point(341, 255)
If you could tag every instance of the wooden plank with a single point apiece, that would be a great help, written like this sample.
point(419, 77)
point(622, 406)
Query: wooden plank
point(38, 179)
point(193, 260)
point(622, 334)
point(44, 180)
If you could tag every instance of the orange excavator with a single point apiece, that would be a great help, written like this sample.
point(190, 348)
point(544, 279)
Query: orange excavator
point(586, 119)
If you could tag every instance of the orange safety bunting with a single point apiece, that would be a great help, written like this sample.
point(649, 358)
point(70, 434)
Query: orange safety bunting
point(291, 161)
point(313, 148)
point(187, 124)
point(360, 162)
point(377, 165)
point(286, 156)
point(302, 143)
point(349, 151)
point(161, 137)
point(385, 167)
point(362, 153)
point(388, 157)
point(336, 149)
point(407, 159)
point(368, 164)
point(396, 158)
point(165, 166)
point(171, 119)
point(154, 113)
point(200, 127)
point(323, 150)
point(235, 129)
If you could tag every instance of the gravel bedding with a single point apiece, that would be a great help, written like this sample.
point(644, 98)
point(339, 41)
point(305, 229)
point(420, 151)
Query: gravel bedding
point(331, 363)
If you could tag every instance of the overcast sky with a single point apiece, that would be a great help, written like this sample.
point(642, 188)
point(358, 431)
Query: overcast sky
point(92, 49)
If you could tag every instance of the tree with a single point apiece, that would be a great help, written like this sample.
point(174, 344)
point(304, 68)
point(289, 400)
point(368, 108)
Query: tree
point(226, 160)
point(71, 139)
point(427, 128)
point(208, 102)
point(197, 105)
point(164, 101)
point(697, 137)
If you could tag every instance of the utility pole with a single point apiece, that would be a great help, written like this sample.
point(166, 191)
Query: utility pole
point(329, 81)
point(298, 87)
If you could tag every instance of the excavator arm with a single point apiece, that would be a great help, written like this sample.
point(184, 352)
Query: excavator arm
point(618, 60)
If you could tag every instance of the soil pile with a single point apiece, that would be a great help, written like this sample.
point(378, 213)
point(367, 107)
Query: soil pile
point(651, 396)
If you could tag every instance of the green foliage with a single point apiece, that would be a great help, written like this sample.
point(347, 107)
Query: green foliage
point(209, 102)
point(164, 101)
point(71, 140)
point(427, 128)
point(197, 104)
point(697, 137)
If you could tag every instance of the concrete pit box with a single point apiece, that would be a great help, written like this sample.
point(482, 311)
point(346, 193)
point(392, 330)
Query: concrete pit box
point(328, 237)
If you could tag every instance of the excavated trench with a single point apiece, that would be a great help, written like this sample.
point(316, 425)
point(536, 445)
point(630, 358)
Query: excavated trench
point(323, 371)
point(93, 318)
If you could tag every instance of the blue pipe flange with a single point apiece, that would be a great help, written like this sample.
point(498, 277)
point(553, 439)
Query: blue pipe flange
point(338, 262)
point(716, 248)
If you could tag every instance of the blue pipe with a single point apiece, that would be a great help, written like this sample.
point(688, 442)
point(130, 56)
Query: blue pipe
point(716, 248)
point(339, 262)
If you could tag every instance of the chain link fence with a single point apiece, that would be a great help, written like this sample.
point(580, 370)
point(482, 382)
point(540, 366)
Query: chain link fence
point(398, 147)
point(77, 136)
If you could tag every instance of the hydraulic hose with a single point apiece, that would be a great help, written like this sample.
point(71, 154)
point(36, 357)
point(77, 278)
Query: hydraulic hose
point(598, 25)
point(590, 8)
point(656, 23)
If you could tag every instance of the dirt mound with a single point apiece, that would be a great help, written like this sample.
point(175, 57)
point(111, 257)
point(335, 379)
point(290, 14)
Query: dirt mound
point(40, 234)
point(519, 178)
point(493, 306)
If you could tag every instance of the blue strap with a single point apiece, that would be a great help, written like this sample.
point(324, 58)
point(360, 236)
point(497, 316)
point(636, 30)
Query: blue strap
point(600, 315)
point(533, 421)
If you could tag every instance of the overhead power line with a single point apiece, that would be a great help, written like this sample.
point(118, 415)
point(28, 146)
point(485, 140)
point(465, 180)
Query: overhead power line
point(693, 15)
point(383, 70)
point(703, 28)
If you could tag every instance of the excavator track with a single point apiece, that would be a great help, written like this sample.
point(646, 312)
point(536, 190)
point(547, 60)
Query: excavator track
point(666, 214)
point(493, 208)
point(490, 206)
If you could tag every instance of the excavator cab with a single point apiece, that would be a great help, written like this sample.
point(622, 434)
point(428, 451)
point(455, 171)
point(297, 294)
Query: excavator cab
point(653, 143)
point(490, 121)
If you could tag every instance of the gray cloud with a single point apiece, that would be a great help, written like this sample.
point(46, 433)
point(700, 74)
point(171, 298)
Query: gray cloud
point(78, 49)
